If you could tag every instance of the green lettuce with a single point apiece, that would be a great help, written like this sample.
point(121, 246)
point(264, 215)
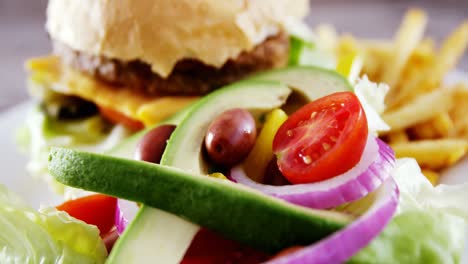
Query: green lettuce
point(429, 224)
point(372, 97)
point(418, 236)
point(304, 52)
point(42, 132)
point(45, 236)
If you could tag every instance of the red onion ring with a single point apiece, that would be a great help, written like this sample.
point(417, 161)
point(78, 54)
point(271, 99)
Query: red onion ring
point(124, 214)
point(375, 167)
point(343, 244)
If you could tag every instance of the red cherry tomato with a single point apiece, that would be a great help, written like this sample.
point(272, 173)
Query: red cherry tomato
point(210, 248)
point(119, 118)
point(98, 210)
point(322, 139)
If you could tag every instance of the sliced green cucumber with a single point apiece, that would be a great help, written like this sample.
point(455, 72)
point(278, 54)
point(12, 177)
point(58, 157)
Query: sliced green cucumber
point(235, 211)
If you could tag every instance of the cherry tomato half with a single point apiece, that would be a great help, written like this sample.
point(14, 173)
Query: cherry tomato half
point(119, 118)
point(97, 209)
point(322, 139)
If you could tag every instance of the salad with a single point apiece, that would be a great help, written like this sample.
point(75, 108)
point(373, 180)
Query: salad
point(202, 197)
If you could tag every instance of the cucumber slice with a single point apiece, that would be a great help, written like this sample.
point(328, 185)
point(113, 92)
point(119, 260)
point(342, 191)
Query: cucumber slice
point(233, 210)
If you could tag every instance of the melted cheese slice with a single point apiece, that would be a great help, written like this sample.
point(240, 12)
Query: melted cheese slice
point(147, 109)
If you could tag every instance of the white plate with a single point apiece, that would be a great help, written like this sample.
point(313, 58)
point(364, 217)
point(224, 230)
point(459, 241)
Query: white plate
point(36, 192)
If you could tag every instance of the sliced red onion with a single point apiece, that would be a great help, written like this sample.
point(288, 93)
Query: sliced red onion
point(125, 212)
point(375, 166)
point(343, 244)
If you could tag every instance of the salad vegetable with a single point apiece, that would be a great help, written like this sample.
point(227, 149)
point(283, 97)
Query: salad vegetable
point(124, 214)
point(231, 137)
point(343, 244)
point(43, 131)
point(323, 139)
point(45, 236)
point(152, 145)
point(429, 224)
point(97, 209)
point(257, 161)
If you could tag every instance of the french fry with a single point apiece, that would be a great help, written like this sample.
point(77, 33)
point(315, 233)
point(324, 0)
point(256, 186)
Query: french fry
point(396, 137)
point(441, 126)
point(433, 154)
point(432, 176)
point(376, 53)
point(451, 51)
point(406, 40)
point(431, 77)
point(428, 122)
point(421, 109)
point(459, 112)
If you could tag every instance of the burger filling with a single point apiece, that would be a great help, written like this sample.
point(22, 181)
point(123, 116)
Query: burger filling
point(189, 76)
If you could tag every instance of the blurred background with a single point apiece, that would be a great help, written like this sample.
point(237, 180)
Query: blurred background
point(22, 32)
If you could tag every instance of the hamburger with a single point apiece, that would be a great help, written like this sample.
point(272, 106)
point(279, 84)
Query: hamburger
point(119, 66)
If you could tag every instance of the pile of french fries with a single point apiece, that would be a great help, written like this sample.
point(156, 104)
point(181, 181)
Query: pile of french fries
point(428, 119)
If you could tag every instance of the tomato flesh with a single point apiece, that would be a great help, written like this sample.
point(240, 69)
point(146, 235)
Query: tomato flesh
point(119, 118)
point(98, 210)
point(210, 248)
point(322, 139)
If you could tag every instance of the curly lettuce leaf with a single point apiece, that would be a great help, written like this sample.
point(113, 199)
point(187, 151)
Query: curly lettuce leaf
point(304, 52)
point(87, 134)
point(416, 192)
point(372, 97)
point(429, 226)
point(418, 236)
point(45, 236)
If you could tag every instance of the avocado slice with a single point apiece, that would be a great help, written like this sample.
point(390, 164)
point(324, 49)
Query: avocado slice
point(184, 151)
point(309, 81)
point(233, 210)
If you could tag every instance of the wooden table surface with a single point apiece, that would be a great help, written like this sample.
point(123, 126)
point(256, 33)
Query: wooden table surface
point(22, 32)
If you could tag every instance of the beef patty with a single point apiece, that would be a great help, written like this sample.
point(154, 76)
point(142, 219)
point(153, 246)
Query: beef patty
point(189, 76)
